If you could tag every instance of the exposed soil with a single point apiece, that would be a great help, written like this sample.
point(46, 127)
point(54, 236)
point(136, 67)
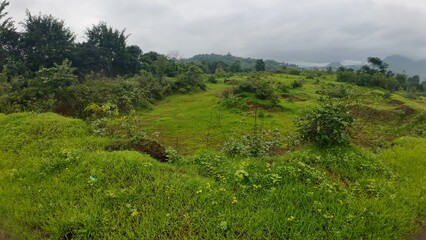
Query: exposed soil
point(422, 236)
point(152, 148)
point(407, 110)
point(3, 235)
point(231, 82)
point(374, 115)
point(254, 106)
point(294, 98)
point(395, 102)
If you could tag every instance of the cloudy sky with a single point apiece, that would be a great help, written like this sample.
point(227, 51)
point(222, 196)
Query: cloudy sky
point(286, 30)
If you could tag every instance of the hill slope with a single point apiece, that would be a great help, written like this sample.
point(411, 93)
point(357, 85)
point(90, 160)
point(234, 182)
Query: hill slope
point(246, 63)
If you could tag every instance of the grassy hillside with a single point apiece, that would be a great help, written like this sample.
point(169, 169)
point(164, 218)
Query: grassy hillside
point(60, 181)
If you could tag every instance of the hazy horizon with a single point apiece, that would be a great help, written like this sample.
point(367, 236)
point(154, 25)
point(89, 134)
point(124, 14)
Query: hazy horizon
point(319, 31)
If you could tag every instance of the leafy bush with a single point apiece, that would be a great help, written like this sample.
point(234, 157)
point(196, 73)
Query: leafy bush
point(190, 80)
point(212, 165)
point(212, 79)
point(254, 145)
point(326, 125)
point(297, 83)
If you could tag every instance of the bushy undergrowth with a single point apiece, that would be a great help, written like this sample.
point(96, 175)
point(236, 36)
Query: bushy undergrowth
point(58, 183)
point(327, 125)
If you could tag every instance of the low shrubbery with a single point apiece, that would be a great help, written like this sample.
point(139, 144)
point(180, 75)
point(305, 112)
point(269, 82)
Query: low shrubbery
point(327, 125)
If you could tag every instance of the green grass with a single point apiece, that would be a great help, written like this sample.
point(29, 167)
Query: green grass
point(58, 181)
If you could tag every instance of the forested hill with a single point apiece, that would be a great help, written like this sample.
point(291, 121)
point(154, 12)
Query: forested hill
point(401, 64)
point(230, 61)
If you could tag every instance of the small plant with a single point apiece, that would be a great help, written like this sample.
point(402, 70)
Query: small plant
point(256, 144)
point(325, 126)
point(172, 155)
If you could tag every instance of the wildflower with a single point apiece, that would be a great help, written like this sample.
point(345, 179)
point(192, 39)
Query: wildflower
point(234, 200)
point(290, 219)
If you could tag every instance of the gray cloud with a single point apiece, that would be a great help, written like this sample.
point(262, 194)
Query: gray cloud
point(287, 30)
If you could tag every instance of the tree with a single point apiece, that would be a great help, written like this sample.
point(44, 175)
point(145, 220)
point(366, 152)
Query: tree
point(133, 64)
point(46, 41)
point(260, 65)
point(110, 47)
point(235, 67)
point(9, 38)
point(378, 63)
point(7, 23)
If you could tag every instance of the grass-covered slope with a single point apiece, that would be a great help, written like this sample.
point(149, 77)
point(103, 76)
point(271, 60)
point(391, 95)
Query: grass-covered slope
point(58, 182)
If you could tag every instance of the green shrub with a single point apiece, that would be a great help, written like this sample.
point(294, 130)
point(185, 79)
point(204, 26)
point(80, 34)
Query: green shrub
point(212, 79)
point(297, 83)
point(257, 144)
point(326, 125)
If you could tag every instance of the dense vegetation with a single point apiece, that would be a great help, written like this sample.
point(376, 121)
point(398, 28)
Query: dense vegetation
point(101, 141)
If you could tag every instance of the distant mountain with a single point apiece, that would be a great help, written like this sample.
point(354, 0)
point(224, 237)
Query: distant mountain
point(229, 59)
point(334, 65)
point(400, 64)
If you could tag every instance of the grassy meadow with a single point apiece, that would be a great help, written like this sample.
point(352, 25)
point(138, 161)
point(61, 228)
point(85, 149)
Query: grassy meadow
point(61, 180)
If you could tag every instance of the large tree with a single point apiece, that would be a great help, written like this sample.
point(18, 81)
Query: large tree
point(46, 41)
point(9, 38)
point(110, 45)
point(6, 23)
point(260, 65)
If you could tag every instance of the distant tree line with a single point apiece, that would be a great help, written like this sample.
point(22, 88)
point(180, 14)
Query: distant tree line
point(46, 41)
point(376, 74)
point(43, 68)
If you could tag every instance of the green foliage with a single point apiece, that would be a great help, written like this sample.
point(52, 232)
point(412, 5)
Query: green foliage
point(190, 80)
point(340, 192)
point(297, 83)
point(154, 88)
point(257, 144)
point(260, 65)
point(56, 78)
point(327, 125)
point(260, 87)
point(212, 79)
point(54, 47)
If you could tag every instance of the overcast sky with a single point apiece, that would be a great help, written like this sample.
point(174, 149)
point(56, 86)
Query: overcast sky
point(285, 30)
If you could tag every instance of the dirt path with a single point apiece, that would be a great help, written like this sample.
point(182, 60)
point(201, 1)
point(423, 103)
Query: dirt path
point(422, 236)
point(3, 235)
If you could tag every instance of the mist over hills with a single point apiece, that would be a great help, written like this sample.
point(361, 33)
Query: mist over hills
point(229, 59)
point(400, 64)
point(397, 63)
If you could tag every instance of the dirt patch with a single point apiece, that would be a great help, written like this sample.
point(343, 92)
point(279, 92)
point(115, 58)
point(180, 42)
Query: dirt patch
point(231, 82)
point(408, 111)
point(422, 236)
point(3, 235)
point(395, 102)
point(336, 178)
point(152, 148)
point(253, 107)
point(293, 98)
point(374, 115)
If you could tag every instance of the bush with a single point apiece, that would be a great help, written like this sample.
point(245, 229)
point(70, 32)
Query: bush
point(257, 144)
point(325, 126)
point(297, 84)
point(212, 79)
